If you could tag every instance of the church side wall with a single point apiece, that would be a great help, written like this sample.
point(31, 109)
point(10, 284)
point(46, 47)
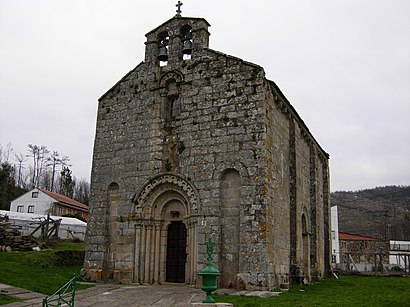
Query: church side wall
point(297, 177)
point(278, 187)
point(303, 187)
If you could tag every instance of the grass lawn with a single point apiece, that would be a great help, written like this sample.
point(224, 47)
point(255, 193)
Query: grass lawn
point(345, 291)
point(5, 299)
point(37, 271)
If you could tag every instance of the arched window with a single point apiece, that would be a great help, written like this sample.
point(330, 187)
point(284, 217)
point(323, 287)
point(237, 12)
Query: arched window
point(304, 225)
point(172, 107)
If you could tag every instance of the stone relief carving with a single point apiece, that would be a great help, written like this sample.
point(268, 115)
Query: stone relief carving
point(173, 182)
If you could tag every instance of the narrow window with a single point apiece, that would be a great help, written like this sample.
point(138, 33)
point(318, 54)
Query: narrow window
point(59, 211)
point(171, 101)
point(20, 208)
point(30, 209)
point(173, 107)
point(34, 194)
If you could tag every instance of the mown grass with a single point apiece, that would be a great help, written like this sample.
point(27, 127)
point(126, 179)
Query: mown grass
point(38, 271)
point(5, 299)
point(345, 291)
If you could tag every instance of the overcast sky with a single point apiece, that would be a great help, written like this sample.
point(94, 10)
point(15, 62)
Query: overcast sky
point(343, 64)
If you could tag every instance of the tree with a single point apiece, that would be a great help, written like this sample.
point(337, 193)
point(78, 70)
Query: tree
point(39, 154)
point(82, 191)
point(46, 170)
point(5, 153)
point(20, 159)
point(7, 185)
point(54, 161)
point(67, 183)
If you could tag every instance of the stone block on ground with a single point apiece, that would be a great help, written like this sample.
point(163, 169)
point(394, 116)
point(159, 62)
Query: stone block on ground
point(211, 305)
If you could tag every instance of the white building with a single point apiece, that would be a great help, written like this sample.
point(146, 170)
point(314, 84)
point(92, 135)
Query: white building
point(40, 201)
point(335, 235)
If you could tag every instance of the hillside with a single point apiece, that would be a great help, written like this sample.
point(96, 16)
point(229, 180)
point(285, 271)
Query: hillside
point(382, 212)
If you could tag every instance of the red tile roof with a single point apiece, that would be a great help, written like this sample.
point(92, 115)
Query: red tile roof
point(65, 199)
point(352, 237)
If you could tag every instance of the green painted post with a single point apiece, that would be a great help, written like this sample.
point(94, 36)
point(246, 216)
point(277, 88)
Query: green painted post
point(209, 274)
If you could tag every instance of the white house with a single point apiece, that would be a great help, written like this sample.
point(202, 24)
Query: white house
point(40, 201)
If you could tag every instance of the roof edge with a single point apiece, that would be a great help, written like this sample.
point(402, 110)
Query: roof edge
point(177, 17)
point(297, 116)
point(119, 81)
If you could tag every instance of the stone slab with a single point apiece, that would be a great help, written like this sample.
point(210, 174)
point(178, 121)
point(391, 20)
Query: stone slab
point(262, 294)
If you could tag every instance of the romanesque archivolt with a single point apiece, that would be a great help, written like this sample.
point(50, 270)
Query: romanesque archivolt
point(174, 182)
point(174, 75)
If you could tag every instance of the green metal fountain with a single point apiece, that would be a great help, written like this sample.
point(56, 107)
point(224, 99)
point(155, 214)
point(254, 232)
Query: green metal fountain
point(209, 274)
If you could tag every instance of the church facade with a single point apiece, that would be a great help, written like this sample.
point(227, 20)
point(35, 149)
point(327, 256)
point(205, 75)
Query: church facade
point(194, 144)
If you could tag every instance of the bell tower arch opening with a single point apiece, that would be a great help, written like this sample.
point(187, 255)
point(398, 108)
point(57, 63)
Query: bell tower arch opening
point(186, 34)
point(163, 41)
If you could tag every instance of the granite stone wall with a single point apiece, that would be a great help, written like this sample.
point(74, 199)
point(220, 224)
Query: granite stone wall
point(209, 141)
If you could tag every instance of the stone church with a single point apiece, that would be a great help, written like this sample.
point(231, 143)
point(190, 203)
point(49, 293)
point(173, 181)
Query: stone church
point(194, 144)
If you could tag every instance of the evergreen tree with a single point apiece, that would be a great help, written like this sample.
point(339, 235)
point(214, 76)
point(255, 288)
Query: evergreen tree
point(8, 190)
point(67, 183)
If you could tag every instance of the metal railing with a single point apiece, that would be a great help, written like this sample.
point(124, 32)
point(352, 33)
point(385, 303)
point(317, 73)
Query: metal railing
point(63, 296)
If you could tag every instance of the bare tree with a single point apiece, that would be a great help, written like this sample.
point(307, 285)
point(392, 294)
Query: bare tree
point(82, 191)
point(5, 153)
point(33, 152)
point(20, 159)
point(54, 161)
point(39, 154)
point(42, 157)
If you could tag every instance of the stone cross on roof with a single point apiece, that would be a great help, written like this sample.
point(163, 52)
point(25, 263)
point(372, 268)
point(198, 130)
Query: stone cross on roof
point(178, 5)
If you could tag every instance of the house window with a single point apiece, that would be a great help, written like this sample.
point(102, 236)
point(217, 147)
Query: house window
point(20, 208)
point(69, 211)
point(59, 211)
point(30, 209)
point(34, 194)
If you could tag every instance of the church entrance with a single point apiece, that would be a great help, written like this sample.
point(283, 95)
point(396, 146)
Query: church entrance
point(166, 219)
point(176, 252)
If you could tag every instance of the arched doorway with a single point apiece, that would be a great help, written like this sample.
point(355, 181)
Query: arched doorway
point(176, 252)
point(165, 217)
